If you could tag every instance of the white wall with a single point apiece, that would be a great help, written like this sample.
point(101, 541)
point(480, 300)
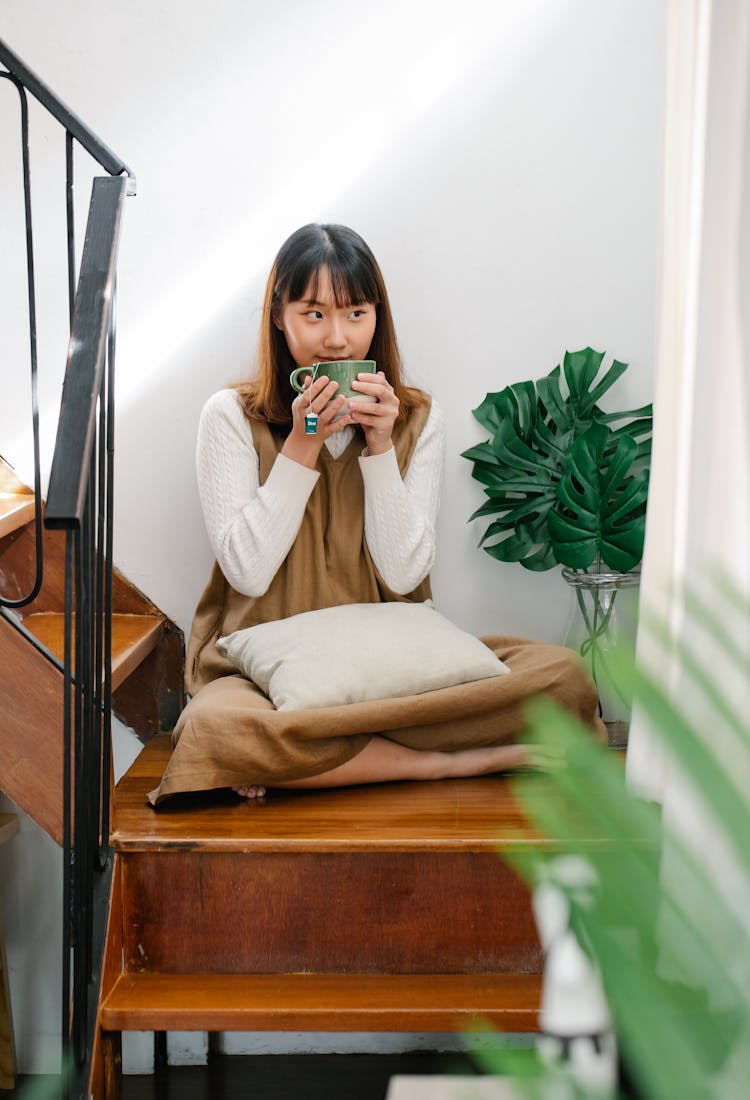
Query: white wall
point(501, 158)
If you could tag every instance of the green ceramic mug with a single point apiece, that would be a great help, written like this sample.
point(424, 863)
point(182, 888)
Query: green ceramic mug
point(343, 371)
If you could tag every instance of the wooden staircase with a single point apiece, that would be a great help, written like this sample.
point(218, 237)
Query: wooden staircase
point(380, 908)
point(146, 664)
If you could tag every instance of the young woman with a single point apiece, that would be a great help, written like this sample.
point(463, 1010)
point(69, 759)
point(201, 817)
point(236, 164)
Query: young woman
point(300, 522)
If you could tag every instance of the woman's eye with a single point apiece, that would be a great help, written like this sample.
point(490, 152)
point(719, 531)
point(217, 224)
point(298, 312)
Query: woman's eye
point(315, 314)
point(356, 313)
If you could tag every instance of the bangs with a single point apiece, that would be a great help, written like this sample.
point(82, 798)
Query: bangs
point(352, 285)
point(352, 268)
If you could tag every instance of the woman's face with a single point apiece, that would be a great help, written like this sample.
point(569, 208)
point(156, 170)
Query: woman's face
point(319, 331)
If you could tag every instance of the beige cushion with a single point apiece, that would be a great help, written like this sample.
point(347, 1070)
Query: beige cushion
point(356, 653)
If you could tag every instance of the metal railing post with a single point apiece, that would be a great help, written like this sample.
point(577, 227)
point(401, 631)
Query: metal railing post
point(79, 501)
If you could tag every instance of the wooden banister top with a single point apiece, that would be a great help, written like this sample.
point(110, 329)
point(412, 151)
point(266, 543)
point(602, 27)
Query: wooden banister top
point(16, 510)
point(8, 826)
point(463, 815)
point(133, 638)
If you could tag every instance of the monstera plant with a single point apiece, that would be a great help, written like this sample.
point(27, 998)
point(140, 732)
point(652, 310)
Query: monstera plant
point(567, 481)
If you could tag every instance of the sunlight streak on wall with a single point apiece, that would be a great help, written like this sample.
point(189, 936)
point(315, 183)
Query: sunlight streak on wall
point(435, 55)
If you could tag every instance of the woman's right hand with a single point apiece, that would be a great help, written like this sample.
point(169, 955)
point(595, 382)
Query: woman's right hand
point(304, 448)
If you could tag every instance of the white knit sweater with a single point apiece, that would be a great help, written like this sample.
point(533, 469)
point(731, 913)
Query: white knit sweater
point(251, 527)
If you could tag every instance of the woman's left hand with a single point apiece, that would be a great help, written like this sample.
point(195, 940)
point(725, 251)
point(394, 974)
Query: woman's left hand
point(375, 419)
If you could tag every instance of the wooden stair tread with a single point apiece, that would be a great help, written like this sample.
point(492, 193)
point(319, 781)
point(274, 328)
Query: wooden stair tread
point(133, 638)
point(320, 1002)
point(463, 815)
point(16, 510)
point(10, 482)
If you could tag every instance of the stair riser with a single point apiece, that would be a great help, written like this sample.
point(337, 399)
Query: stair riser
point(390, 912)
point(31, 721)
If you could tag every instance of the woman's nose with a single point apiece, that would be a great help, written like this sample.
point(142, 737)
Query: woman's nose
point(335, 336)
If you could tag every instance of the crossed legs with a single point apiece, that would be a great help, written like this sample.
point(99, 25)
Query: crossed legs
point(384, 761)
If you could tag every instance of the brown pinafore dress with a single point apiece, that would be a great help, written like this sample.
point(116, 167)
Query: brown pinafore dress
point(328, 565)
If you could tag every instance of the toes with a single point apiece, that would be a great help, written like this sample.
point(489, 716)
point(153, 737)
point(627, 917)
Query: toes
point(250, 791)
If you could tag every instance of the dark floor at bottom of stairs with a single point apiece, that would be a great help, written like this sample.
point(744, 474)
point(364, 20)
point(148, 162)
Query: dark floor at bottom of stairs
point(273, 1077)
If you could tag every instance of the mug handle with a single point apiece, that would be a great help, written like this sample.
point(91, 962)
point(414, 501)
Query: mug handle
point(294, 375)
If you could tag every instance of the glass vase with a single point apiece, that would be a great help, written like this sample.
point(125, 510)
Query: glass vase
point(604, 618)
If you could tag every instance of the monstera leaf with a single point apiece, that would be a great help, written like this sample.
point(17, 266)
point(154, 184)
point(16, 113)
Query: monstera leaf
point(534, 427)
point(600, 511)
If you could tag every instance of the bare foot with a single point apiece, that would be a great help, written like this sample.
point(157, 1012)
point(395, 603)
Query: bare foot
point(250, 791)
point(544, 758)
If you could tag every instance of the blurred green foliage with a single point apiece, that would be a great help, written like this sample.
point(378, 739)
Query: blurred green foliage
point(664, 926)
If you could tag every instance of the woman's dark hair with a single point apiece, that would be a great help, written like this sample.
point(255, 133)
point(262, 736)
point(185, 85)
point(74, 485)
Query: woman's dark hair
point(355, 278)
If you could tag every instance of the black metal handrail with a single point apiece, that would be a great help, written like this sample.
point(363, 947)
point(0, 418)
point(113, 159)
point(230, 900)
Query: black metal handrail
point(33, 360)
point(79, 501)
point(21, 76)
point(74, 125)
point(76, 426)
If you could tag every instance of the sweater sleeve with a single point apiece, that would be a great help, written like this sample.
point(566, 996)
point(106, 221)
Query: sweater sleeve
point(400, 514)
point(251, 527)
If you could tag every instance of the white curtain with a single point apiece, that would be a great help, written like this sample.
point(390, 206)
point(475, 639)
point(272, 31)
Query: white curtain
point(699, 505)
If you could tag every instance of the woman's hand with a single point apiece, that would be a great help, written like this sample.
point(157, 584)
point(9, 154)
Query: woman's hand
point(376, 420)
point(304, 448)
